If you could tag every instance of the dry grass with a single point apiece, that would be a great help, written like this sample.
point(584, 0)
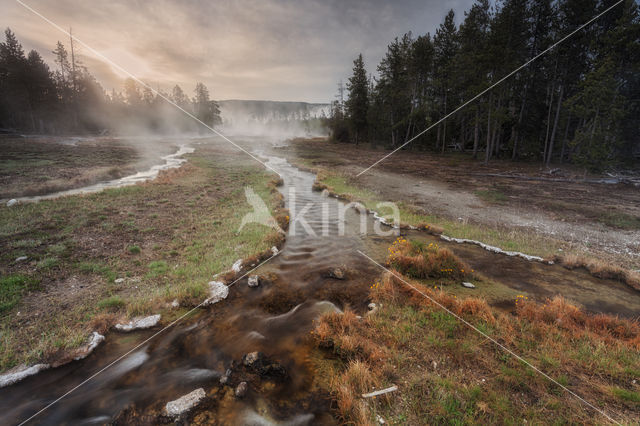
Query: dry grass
point(557, 313)
point(600, 269)
point(448, 373)
point(356, 379)
point(418, 260)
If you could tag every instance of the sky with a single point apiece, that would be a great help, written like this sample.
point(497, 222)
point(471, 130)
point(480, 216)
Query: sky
point(287, 50)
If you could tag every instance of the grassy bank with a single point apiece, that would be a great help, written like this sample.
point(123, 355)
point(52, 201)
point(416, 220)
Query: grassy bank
point(507, 239)
point(448, 373)
point(96, 259)
point(41, 165)
point(510, 239)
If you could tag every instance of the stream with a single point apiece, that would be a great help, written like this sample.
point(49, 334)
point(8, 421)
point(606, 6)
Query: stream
point(170, 161)
point(275, 319)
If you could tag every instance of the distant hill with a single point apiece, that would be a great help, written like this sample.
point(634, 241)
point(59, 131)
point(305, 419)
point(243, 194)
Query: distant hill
point(235, 111)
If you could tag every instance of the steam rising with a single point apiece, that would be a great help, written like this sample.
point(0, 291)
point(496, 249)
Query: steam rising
point(273, 120)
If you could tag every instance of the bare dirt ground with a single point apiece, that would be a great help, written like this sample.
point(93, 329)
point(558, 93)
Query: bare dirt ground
point(602, 219)
point(41, 165)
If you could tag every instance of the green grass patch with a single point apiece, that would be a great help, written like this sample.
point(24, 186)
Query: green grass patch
point(98, 269)
point(491, 196)
point(111, 303)
point(11, 289)
point(134, 249)
point(627, 395)
point(48, 263)
point(157, 268)
point(620, 220)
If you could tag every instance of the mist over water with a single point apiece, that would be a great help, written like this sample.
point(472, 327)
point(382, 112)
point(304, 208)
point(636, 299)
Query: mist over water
point(273, 119)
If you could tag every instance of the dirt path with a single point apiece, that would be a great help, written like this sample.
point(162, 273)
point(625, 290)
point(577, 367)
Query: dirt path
point(441, 199)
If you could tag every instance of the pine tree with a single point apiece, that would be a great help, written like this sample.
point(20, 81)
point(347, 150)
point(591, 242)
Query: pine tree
point(394, 89)
point(13, 93)
point(600, 107)
point(471, 63)
point(204, 108)
point(357, 104)
point(421, 80)
point(132, 92)
point(62, 59)
point(178, 96)
point(446, 46)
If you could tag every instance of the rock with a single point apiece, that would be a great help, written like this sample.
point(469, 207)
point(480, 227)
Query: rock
point(237, 266)
point(175, 304)
point(380, 419)
point(468, 285)
point(264, 367)
point(241, 390)
point(12, 202)
point(217, 291)
point(337, 273)
point(227, 375)
point(434, 365)
point(20, 373)
point(254, 281)
point(139, 323)
point(118, 280)
point(373, 308)
point(21, 258)
point(274, 250)
point(94, 341)
point(251, 358)
point(184, 403)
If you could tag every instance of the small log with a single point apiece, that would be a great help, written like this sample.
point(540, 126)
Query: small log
point(380, 392)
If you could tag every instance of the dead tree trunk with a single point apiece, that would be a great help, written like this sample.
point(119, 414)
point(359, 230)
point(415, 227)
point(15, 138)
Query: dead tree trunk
point(487, 152)
point(564, 139)
point(475, 134)
point(444, 130)
point(555, 126)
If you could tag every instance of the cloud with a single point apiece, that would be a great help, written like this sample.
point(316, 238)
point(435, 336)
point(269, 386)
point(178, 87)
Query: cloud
point(251, 49)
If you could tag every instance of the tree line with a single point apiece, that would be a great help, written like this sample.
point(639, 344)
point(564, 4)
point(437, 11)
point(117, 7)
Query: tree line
point(578, 103)
point(68, 99)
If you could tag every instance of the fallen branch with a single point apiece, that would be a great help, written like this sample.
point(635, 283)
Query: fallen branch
point(380, 392)
point(609, 181)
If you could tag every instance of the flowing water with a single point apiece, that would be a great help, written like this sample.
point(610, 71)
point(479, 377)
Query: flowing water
point(171, 161)
point(274, 318)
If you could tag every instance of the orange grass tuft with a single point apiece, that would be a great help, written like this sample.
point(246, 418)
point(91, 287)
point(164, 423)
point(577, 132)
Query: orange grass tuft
point(418, 260)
